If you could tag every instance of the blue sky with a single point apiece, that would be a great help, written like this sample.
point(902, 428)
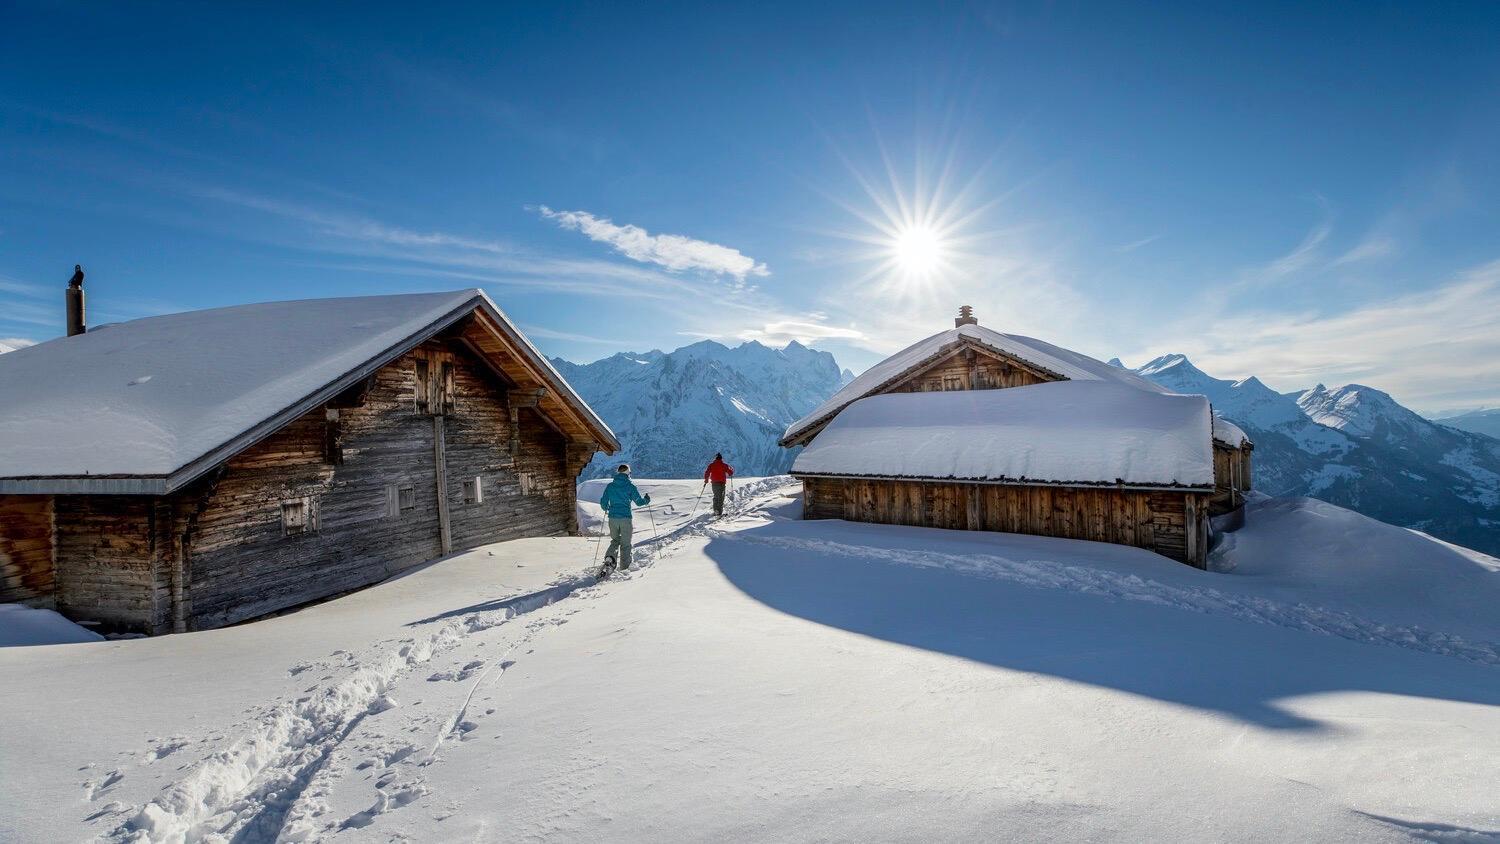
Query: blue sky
point(1304, 192)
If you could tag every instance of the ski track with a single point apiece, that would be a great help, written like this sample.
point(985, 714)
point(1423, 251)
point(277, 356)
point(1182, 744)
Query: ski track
point(268, 785)
point(1050, 574)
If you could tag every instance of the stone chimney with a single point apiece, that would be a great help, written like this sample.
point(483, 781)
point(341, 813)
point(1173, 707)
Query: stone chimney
point(965, 317)
point(76, 324)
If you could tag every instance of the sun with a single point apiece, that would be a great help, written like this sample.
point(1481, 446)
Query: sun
point(918, 250)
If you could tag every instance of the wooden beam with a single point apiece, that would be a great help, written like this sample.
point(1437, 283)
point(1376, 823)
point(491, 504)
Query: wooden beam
point(440, 462)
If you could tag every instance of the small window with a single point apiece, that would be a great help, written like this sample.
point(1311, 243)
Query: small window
point(952, 382)
point(400, 499)
point(528, 483)
point(299, 515)
point(473, 491)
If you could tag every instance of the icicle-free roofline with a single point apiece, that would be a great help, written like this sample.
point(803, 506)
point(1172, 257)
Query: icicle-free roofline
point(199, 463)
point(1055, 361)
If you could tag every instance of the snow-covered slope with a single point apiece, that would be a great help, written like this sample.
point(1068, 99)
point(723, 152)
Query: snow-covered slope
point(768, 679)
point(1362, 411)
point(1357, 447)
point(1485, 422)
point(12, 344)
point(673, 411)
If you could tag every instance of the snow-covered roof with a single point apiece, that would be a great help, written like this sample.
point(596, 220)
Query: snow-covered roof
point(147, 405)
point(1063, 363)
point(1228, 433)
point(1083, 432)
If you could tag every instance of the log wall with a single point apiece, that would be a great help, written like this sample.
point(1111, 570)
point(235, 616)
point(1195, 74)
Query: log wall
point(377, 511)
point(113, 559)
point(1173, 524)
point(1231, 478)
point(26, 571)
point(970, 369)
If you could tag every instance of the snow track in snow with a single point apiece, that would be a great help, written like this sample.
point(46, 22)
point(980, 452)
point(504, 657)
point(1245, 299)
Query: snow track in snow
point(252, 790)
point(270, 783)
point(1049, 574)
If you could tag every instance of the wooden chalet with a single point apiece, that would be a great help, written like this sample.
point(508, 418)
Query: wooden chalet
point(194, 470)
point(1109, 457)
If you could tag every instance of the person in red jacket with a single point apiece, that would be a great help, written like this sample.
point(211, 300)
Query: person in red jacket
point(718, 473)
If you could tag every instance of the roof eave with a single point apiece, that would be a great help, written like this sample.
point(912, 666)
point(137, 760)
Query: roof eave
point(86, 485)
point(1144, 487)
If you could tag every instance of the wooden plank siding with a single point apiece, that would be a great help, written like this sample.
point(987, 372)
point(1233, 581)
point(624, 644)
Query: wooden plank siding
point(361, 472)
point(113, 559)
point(1171, 523)
point(242, 563)
point(27, 575)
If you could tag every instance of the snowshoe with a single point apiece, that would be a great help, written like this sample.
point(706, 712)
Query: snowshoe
point(609, 566)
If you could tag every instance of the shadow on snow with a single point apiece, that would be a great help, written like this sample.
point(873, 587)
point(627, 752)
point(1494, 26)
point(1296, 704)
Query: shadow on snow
point(1082, 627)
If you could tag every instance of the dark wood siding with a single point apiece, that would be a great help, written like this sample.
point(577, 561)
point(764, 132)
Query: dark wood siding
point(1173, 524)
point(26, 571)
point(244, 565)
point(970, 369)
point(114, 555)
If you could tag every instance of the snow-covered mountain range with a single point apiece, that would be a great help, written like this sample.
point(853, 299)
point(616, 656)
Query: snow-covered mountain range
point(1357, 447)
point(1485, 421)
point(673, 410)
point(1354, 445)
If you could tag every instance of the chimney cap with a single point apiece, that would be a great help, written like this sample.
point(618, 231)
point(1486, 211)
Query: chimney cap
point(965, 317)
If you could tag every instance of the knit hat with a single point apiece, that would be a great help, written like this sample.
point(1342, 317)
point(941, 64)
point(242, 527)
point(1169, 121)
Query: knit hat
point(624, 469)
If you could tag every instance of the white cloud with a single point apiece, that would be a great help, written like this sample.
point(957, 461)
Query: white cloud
point(784, 331)
point(1436, 348)
point(673, 251)
point(1376, 245)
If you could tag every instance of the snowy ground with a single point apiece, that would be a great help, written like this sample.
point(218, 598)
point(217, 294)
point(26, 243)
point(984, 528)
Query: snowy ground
point(763, 678)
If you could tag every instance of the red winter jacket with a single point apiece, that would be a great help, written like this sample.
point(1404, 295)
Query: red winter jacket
point(718, 472)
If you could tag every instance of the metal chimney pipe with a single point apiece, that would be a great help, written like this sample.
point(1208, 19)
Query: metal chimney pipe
point(76, 324)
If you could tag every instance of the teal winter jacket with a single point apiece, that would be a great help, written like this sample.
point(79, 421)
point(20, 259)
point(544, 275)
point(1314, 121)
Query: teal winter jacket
point(617, 497)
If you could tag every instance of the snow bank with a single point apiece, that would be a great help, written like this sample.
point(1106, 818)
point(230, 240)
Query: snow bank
point(22, 625)
point(1086, 432)
point(1064, 363)
point(1311, 552)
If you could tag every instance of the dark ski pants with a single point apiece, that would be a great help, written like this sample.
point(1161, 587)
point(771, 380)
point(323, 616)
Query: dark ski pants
point(619, 542)
point(718, 499)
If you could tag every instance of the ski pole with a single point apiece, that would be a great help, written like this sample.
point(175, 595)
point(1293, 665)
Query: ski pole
point(654, 537)
point(698, 500)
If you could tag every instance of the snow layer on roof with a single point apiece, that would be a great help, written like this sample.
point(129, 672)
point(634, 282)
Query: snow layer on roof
point(149, 396)
point(1064, 362)
point(1228, 432)
point(1079, 432)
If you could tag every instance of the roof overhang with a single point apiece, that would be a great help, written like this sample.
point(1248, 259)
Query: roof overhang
point(947, 350)
point(567, 401)
point(1139, 487)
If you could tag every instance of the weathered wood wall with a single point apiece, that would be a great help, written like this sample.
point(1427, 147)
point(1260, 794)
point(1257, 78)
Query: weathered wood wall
point(113, 560)
point(242, 564)
point(26, 571)
point(970, 369)
point(1173, 524)
point(1231, 478)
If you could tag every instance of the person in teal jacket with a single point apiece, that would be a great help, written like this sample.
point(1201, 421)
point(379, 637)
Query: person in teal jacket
point(616, 500)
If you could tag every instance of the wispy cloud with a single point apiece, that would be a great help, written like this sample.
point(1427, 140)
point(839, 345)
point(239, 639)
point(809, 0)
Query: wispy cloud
point(550, 334)
point(673, 251)
point(1375, 245)
point(1303, 255)
point(783, 331)
point(1137, 244)
point(1437, 348)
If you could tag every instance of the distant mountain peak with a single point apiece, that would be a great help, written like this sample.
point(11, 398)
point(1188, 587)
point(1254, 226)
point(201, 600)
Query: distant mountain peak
point(1117, 362)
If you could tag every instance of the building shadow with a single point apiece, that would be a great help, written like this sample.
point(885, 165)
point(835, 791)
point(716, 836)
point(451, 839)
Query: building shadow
point(1109, 633)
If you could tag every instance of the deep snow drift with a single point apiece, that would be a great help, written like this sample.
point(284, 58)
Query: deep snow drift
point(764, 678)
